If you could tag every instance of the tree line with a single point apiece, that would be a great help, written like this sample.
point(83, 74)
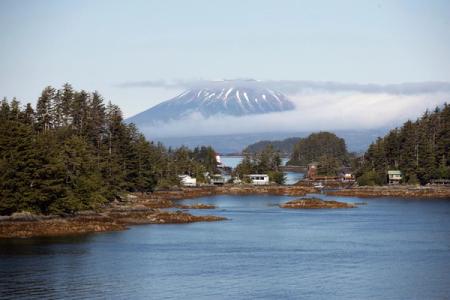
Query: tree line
point(285, 147)
point(266, 161)
point(325, 149)
point(420, 150)
point(72, 152)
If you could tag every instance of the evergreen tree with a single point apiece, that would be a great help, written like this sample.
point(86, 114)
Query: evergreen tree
point(44, 108)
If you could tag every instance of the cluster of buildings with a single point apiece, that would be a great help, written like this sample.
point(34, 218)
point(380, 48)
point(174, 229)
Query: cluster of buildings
point(345, 175)
point(219, 179)
point(223, 176)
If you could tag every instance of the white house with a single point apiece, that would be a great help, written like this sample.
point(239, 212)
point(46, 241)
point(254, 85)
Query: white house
point(259, 179)
point(347, 177)
point(187, 180)
point(218, 179)
point(394, 176)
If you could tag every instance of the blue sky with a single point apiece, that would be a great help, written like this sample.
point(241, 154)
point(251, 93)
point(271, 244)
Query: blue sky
point(97, 45)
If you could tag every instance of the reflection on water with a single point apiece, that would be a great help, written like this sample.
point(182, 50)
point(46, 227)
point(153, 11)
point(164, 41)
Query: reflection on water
point(387, 249)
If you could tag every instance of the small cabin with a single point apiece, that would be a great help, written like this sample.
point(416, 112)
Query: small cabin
point(394, 176)
point(312, 171)
point(347, 177)
point(187, 180)
point(259, 179)
point(218, 179)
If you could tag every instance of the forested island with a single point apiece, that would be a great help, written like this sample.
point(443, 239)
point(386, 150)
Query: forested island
point(74, 152)
point(284, 147)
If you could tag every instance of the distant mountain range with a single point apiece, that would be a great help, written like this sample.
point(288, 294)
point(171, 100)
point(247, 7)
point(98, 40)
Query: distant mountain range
point(233, 98)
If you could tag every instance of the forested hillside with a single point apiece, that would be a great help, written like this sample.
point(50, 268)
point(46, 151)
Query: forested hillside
point(266, 161)
point(73, 152)
point(320, 147)
point(420, 149)
point(285, 147)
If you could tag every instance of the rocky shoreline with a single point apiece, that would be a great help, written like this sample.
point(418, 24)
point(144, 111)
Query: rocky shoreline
point(133, 210)
point(315, 203)
point(196, 192)
point(150, 208)
point(113, 218)
point(401, 191)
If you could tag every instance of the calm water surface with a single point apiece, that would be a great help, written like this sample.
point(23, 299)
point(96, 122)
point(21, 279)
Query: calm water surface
point(387, 249)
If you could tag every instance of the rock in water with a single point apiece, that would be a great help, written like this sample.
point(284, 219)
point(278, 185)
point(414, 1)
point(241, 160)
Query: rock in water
point(313, 203)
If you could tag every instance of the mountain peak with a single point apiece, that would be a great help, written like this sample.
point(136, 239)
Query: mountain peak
point(227, 97)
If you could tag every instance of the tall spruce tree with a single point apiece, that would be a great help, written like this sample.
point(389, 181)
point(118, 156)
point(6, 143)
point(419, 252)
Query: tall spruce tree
point(44, 107)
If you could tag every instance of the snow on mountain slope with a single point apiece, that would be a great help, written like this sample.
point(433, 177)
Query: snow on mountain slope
point(235, 98)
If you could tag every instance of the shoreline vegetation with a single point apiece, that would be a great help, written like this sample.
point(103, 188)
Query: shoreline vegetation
point(72, 152)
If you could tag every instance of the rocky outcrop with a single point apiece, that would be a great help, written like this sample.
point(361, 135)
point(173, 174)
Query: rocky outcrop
point(441, 192)
point(157, 202)
point(187, 193)
point(314, 203)
point(58, 226)
point(196, 206)
point(182, 217)
point(112, 218)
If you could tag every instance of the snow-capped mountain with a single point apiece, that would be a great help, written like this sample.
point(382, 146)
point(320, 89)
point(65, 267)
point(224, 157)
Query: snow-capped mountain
point(235, 98)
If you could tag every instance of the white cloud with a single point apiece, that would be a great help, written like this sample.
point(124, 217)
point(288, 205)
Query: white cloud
point(314, 111)
point(299, 86)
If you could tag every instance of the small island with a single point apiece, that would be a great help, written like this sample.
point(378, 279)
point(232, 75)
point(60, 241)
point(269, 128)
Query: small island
point(315, 203)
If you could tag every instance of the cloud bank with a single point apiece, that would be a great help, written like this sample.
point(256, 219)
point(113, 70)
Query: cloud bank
point(290, 87)
point(317, 109)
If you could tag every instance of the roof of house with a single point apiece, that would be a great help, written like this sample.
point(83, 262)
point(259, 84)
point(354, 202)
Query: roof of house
point(394, 172)
point(184, 176)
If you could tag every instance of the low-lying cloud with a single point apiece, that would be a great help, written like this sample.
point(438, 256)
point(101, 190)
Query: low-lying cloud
point(318, 109)
point(290, 87)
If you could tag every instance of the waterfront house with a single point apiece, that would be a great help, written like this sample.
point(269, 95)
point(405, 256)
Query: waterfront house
point(394, 176)
point(259, 179)
point(218, 179)
point(347, 177)
point(312, 171)
point(187, 180)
